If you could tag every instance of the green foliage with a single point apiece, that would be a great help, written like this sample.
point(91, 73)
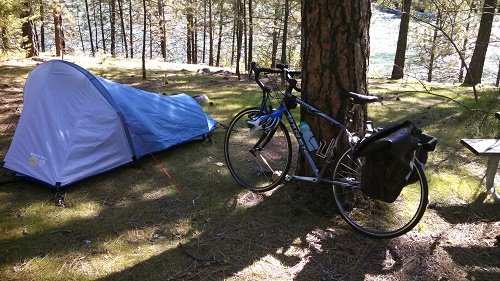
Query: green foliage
point(10, 25)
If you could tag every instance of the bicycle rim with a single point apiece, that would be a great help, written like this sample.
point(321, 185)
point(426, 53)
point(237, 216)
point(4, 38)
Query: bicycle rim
point(376, 218)
point(265, 167)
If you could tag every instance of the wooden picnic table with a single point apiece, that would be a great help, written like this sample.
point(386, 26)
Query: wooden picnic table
point(491, 149)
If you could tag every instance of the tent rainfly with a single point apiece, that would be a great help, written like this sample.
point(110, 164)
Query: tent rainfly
point(75, 125)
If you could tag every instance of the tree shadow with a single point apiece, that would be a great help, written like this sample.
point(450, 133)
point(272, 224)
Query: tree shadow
point(480, 263)
point(289, 233)
point(477, 210)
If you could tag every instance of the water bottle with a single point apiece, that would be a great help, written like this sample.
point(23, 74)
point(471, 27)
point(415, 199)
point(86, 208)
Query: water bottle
point(309, 139)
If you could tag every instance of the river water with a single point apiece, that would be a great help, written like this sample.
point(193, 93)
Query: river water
point(384, 31)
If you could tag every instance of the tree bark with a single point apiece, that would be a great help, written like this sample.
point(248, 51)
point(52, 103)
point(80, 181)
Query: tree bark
point(101, 18)
point(112, 21)
point(90, 28)
point(275, 36)
point(335, 48)
point(194, 35)
point(42, 29)
point(79, 28)
point(475, 72)
point(210, 35)
point(144, 40)
point(203, 51)
point(163, 31)
point(96, 28)
point(250, 31)
point(285, 32)
point(245, 35)
point(131, 29)
point(219, 45)
point(56, 9)
point(497, 82)
point(239, 39)
point(30, 44)
point(399, 59)
point(122, 25)
point(464, 47)
point(432, 53)
point(189, 28)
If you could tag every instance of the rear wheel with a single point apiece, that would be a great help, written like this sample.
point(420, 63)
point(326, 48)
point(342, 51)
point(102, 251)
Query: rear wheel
point(257, 160)
point(372, 217)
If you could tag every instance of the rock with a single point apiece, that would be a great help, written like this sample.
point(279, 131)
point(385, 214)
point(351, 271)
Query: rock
point(204, 70)
point(201, 98)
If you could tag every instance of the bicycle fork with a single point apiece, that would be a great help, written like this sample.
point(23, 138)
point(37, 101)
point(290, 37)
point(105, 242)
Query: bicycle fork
point(255, 150)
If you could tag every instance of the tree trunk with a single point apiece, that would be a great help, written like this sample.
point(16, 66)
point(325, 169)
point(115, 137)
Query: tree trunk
point(90, 28)
point(497, 83)
point(239, 39)
point(475, 72)
point(63, 38)
point(42, 28)
point(101, 18)
point(219, 44)
point(335, 48)
point(122, 25)
point(131, 29)
point(194, 34)
point(203, 52)
point(163, 31)
point(275, 36)
point(250, 32)
point(432, 53)
point(245, 36)
point(150, 26)
point(285, 32)
point(210, 35)
point(96, 28)
point(79, 28)
point(234, 29)
point(112, 21)
point(56, 8)
point(4, 38)
point(464, 47)
point(399, 59)
point(189, 27)
point(29, 42)
point(144, 40)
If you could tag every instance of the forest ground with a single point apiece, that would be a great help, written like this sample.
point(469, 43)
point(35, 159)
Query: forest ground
point(133, 223)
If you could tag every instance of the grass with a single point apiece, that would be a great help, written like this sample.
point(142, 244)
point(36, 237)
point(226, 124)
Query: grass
point(129, 223)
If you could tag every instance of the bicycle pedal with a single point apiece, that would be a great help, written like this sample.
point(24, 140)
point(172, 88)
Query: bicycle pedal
point(288, 178)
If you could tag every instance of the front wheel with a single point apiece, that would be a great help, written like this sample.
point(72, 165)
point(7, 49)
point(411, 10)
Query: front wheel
point(372, 217)
point(258, 160)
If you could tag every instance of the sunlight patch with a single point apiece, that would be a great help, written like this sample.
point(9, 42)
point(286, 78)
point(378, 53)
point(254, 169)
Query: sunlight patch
point(267, 268)
point(249, 199)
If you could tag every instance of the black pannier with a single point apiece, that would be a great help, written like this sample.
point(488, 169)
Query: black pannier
point(426, 143)
point(388, 157)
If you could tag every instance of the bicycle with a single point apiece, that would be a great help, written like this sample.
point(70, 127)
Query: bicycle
point(258, 153)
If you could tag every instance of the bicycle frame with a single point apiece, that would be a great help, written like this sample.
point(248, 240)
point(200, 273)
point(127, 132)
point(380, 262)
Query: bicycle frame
point(289, 102)
point(329, 152)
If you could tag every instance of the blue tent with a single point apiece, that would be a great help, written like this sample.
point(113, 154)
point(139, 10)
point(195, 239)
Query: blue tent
point(75, 125)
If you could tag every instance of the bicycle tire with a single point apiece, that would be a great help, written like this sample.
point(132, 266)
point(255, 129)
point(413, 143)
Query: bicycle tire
point(376, 218)
point(267, 166)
